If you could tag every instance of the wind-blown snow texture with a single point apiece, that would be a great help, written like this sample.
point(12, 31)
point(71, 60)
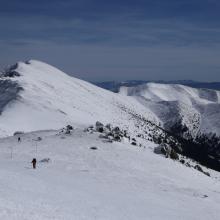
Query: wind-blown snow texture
point(199, 109)
point(117, 181)
point(49, 99)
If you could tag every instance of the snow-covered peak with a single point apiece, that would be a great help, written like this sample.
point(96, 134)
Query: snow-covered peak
point(199, 109)
point(38, 71)
point(49, 99)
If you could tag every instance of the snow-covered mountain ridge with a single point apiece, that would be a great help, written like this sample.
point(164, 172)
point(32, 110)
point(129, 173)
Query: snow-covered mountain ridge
point(40, 97)
point(199, 109)
point(36, 96)
point(100, 171)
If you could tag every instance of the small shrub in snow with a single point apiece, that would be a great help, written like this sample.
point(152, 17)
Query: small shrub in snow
point(174, 155)
point(188, 164)
point(116, 130)
point(182, 161)
point(199, 168)
point(99, 127)
point(206, 173)
point(69, 127)
point(67, 131)
point(117, 138)
point(165, 149)
point(168, 151)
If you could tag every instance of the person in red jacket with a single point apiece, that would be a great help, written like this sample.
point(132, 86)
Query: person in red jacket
point(34, 161)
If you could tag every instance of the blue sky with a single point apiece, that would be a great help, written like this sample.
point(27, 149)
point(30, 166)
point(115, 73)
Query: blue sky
point(115, 40)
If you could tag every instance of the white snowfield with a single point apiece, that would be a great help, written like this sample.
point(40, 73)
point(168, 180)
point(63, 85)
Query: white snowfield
point(198, 108)
point(51, 99)
point(117, 181)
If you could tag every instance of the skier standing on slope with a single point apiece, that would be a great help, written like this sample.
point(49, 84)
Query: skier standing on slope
point(34, 161)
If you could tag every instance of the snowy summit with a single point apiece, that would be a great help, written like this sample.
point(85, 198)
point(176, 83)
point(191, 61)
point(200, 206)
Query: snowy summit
point(42, 97)
point(95, 150)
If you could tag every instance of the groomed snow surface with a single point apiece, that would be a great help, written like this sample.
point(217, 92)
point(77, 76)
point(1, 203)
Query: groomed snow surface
point(116, 181)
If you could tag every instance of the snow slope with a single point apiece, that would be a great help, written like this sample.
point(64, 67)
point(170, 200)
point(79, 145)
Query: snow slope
point(43, 97)
point(198, 108)
point(117, 181)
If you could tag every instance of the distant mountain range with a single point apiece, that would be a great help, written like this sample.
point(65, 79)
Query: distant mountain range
point(114, 85)
point(197, 109)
